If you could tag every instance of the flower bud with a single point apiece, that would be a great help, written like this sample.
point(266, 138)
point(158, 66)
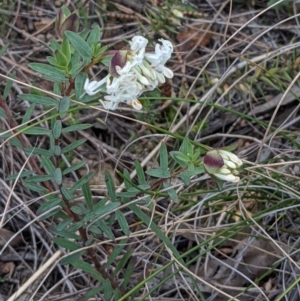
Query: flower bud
point(222, 164)
point(66, 21)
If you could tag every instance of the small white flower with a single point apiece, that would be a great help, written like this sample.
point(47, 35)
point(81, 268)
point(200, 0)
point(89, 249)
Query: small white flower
point(109, 105)
point(227, 177)
point(92, 88)
point(138, 42)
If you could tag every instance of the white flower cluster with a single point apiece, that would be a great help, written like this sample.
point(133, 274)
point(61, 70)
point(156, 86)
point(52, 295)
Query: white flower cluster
point(141, 72)
point(228, 172)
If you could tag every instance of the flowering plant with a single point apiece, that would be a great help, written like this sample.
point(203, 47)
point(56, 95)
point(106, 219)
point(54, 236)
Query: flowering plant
point(131, 72)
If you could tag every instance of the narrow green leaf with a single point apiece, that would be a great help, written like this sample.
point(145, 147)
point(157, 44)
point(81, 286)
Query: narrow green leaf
point(8, 86)
point(107, 208)
point(90, 294)
point(56, 131)
point(105, 228)
point(48, 71)
point(28, 113)
point(159, 173)
point(94, 36)
point(73, 145)
point(39, 99)
point(110, 186)
point(35, 187)
point(116, 252)
point(66, 49)
point(73, 167)
point(163, 157)
point(86, 267)
point(39, 178)
point(64, 105)
point(67, 194)
point(47, 163)
point(63, 225)
point(79, 44)
point(36, 131)
point(58, 176)
point(128, 273)
point(122, 262)
point(21, 175)
point(87, 193)
point(107, 290)
point(171, 192)
point(122, 222)
point(76, 209)
point(16, 142)
point(140, 172)
point(76, 127)
point(79, 83)
point(49, 205)
point(85, 179)
point(70, 258)
point(65, 243)
point(37, 151)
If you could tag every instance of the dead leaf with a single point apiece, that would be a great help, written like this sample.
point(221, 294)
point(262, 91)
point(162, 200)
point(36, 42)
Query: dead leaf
point(6, 235)
point(196, 35)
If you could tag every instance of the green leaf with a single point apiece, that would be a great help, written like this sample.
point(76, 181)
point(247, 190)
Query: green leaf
point(61, 59)
point(107, 290)
point(37, 151)
point(67, 194)
point(49, 205)
point(76, 209)
point(56, 131)
point(94, 36)
point(128, 273)
point(107, 208)
point(67, 244)
point(28, 113)
point(90, 294)
point(140, 172)
point(79, 83)
point(62, 225)
point(23, 174)
point(110, 186)
point(171, 192)
point(105, 228)
point(76, 127)
point(64, 105)
point(58, 176)
point(73, 145)
point(116, 252)
point(122, 222)
point(163, 157)
point(47, 163)
point(85, 179)
point(35, 187)
point(8, 86)
point(87, 193)
point(66, 49)
point(180, 156)
point(3, 49)
point(73, 167)
point(48, 71)
point(70, 258)
point(2, 114)
point(122, 262)
point(39, 178)
point(159, 173)
point(36, 131)
point(56, 150)
point(81, 46)
point(86, 267)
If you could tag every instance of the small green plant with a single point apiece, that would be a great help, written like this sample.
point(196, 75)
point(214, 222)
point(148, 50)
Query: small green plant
point(131, 72)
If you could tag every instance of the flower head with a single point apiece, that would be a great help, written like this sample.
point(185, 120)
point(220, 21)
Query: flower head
point(133, 72)
point(223, 165)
